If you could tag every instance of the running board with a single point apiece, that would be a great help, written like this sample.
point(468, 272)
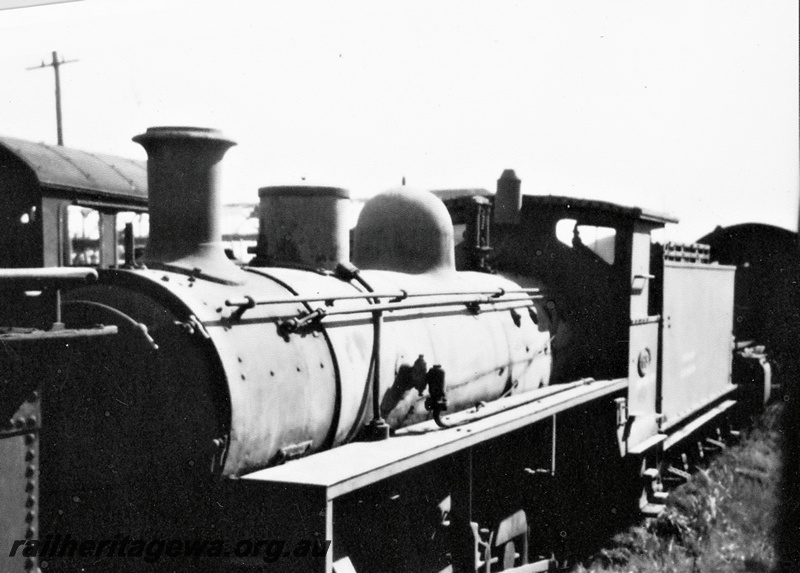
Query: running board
point(353, 466)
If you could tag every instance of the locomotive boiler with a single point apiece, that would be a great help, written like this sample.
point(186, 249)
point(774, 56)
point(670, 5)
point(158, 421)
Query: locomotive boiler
point(271, 363)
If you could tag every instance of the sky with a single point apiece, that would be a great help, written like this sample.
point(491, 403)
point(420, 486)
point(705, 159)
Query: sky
point(687, 107)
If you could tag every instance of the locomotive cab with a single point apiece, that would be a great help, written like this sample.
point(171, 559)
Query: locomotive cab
point(620, 307)
point(592, 260)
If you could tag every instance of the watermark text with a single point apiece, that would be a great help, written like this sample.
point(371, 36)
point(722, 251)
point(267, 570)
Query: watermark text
point(151, 550)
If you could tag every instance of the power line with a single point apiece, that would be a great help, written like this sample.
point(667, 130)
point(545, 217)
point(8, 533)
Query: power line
point(55, 64)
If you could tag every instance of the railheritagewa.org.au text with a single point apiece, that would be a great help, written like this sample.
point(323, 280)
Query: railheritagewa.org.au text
point(151, 550)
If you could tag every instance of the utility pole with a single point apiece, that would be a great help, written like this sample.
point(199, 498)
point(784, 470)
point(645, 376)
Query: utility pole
point(56, 63)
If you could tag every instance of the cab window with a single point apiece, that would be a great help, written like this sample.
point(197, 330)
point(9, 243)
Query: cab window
point(599, 240)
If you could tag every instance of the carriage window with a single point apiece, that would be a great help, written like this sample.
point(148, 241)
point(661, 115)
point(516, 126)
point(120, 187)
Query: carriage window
point(599, 240)
point(82, 244)
point(141, 230)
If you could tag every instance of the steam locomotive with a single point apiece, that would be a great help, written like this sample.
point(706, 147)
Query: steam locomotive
point(434, 401)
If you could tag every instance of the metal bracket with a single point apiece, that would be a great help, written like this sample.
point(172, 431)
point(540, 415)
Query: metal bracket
point(143, 328)
point(192, 326)
point(483, 560)
point(241, 309)
point(219, 448)
point(474, 307)
point(622, 411)
point(291, 325)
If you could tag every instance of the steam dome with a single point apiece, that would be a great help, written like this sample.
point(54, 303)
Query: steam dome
point(404, 230)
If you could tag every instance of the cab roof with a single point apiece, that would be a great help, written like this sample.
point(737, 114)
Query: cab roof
point(567, 204)
point(573, 203)
point(59, 167)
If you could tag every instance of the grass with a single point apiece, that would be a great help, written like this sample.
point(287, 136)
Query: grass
point(722, 520)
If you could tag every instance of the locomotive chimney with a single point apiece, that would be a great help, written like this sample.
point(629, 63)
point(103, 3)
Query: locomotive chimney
point(183, 196)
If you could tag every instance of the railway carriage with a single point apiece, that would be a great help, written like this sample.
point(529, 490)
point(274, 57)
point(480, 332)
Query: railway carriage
point(66, 207)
